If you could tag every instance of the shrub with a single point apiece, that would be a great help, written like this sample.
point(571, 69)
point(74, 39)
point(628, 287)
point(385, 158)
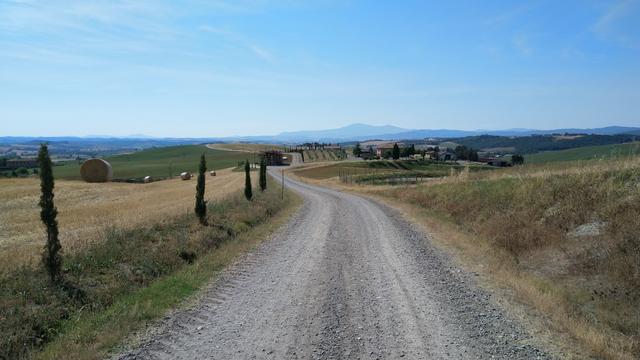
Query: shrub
point(22, 172)
point(517, 159)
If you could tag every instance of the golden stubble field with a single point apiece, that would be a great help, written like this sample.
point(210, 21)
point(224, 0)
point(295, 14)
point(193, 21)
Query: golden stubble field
point(85, 210)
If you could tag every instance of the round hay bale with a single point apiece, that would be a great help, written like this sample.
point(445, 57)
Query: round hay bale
point(213, 173)
point(147, 179)
point(185, 176)
point(96, 170)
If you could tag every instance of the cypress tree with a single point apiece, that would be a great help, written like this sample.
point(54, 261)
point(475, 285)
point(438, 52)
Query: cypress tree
point(357, 150)
point(201, 204)
point(396, 152)
point(247, 181)
point(51, 258)
point(263, 174)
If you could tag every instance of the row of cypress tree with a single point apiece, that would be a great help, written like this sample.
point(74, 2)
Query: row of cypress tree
point(201, 204)
point(52, 258)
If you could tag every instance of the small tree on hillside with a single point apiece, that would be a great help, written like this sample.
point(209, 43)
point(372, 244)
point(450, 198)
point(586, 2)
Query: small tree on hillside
point(517, 159)
point(357, 150)
point(201, 204)
point(248, 193)
point(263, 174)
point(51, 258)
point(396, 152)
point(465, 153)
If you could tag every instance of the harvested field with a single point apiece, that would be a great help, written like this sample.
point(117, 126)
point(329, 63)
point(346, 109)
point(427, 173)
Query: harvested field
point(85, 210)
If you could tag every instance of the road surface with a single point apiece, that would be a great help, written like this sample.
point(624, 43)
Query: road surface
point(347, 278)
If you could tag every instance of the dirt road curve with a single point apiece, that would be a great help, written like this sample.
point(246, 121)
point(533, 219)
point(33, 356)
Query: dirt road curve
point(347, 278)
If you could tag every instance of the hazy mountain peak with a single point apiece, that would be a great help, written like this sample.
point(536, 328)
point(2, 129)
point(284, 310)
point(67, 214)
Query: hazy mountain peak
point(345, 132)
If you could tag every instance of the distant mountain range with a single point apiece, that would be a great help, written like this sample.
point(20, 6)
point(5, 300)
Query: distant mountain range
point(353, 132)
point(359, 132)
point(348, 132)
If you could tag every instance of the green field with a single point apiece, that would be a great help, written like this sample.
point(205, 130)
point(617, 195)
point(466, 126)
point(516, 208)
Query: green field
point(381, 171)
point(160, 162)
point(586, 153)
point(324, 155)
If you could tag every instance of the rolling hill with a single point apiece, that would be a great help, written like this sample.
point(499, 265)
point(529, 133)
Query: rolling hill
point(159, 162)
point(535, 143)
point(586, 153)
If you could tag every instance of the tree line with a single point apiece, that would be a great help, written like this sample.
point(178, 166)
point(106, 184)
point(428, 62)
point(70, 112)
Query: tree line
point(536, 143)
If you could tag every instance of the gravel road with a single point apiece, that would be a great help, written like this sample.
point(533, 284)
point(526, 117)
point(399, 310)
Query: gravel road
point(346, 278)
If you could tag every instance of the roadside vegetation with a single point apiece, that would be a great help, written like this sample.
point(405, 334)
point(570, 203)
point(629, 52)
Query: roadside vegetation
point(159, 163)
point(126, 277)
point(565, 241)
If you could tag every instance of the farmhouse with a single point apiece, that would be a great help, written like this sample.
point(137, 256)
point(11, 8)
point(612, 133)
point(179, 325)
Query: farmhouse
point(274, 157)
point(386, 147)
point(443, 156)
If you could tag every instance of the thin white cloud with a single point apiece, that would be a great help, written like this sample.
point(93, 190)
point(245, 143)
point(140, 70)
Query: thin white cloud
point(510, 14)
point(522, 45)
point(261, 53)
point(241, 41)
point(619, 24)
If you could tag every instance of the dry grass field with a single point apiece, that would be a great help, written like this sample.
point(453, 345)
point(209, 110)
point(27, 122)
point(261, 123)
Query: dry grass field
point(86, 210)
point(143, 253)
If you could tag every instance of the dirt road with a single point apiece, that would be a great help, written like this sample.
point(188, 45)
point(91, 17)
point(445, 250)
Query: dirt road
point(347, 278)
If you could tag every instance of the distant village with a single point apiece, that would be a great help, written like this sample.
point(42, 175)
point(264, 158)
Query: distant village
point(429, 149)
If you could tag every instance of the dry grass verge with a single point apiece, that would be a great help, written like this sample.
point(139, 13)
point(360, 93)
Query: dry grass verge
point(125, 279)
point(567, 244)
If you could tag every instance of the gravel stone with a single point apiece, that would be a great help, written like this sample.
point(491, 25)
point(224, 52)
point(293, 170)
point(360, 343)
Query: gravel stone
point(346, 278)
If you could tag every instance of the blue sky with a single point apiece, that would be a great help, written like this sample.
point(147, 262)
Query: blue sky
point(247, 67)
